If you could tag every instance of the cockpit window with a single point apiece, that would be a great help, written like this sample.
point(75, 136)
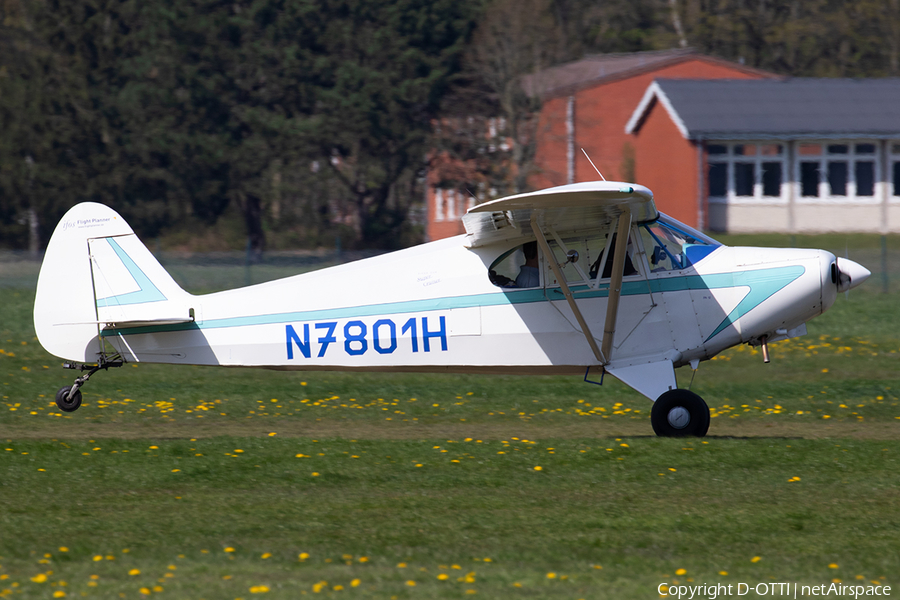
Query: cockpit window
point(671, 245)
point(518, 267)
point(609, 256)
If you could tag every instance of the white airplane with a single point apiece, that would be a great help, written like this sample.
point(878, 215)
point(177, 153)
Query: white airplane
point(610, 285)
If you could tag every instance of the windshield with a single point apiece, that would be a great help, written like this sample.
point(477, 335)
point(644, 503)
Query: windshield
point(671, 245)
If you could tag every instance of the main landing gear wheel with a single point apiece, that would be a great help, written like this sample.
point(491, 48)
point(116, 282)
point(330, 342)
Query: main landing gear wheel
point(680, 413)
point(63, 401)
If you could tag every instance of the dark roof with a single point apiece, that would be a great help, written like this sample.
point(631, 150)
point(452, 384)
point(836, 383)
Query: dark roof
point(765, 108)
point(595, 69)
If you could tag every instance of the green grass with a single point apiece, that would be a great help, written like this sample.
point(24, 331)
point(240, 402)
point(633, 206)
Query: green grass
point(610, 518)
point(146, 477)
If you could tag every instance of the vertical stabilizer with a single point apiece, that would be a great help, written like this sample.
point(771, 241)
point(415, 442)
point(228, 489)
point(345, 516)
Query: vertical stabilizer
point(96, 273)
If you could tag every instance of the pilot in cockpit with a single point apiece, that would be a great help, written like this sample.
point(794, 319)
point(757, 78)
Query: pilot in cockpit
point(529, 273)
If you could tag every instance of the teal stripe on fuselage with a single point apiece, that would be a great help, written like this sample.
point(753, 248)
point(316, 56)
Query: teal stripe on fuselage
point(763, 284)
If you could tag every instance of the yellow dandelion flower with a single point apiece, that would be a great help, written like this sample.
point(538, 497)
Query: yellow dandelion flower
point(145, 591)
point(833, 566)
point(315, 474)
point(723, 572)
point(411, 583)
point(755, 559)
point(134, 572)
point(63, 549)
point(259, 589)
point(59, 594)
point(229, 549)
point(443, 577)
point(681, 572)
point(338, 588)
point(551, 575)
point(355, 583)
point(539, 468)
point(266, 555)
point(303, 555)
point(39, 578)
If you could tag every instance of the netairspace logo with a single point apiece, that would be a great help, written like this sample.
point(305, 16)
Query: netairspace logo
point(789, 590)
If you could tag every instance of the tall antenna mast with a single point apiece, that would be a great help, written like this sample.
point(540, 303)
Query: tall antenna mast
point(593, 165)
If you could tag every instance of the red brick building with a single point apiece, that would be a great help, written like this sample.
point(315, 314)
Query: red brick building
point(587, 104)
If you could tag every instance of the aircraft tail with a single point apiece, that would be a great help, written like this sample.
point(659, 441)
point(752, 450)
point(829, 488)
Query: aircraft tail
point(97, 273)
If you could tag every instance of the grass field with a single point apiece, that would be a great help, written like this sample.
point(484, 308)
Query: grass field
point(228, 483)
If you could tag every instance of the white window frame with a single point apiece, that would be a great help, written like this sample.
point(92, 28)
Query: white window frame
point(851, 158)
point(757, 160)
point(893, 156)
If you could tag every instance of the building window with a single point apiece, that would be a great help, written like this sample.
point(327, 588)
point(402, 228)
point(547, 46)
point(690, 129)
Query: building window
point(844, 171)
point(438, 204)
point(895, 168)
point(746, 172)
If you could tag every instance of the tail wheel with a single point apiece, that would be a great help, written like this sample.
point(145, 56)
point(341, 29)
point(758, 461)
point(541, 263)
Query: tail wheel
point(64, 403)
point(680, 413)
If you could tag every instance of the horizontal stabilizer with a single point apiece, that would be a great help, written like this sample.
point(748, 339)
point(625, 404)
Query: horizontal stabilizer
point(125, 324)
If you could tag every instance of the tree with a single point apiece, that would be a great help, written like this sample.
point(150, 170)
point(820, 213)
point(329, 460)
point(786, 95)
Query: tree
point(189, 107)
point(43, 116)
point(380, 69)
point(513, 40)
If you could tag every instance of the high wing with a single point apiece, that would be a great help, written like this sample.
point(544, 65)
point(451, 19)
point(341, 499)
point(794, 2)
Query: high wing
point(563, 209)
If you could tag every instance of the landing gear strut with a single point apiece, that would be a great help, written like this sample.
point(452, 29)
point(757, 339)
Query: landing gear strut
point(68, 398)
point(680, 413)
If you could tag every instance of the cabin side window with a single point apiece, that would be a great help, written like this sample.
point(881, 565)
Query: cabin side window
point(608, 258)
point(518, 267)
point(594, 258)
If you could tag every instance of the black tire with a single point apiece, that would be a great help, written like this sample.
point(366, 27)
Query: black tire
point(680, 413)
point(65, 404)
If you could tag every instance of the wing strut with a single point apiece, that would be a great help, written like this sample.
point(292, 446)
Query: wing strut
point(615, 282)
point(545, 248)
